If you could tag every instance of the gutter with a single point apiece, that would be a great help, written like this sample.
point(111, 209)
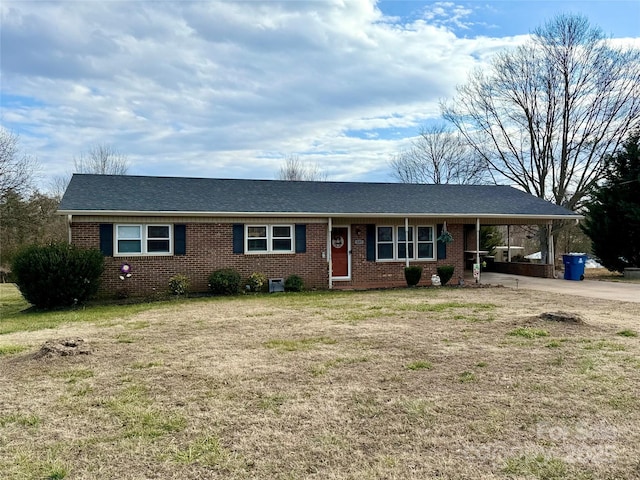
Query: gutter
point(471, 216)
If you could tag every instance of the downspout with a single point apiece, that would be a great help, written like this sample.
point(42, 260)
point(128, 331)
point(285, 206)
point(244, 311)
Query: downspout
point(330, 227)
point(406, 240)
point(69, 221)
point(478, 247)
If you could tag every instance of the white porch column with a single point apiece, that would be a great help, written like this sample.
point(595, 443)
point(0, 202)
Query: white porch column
point(406, 240)
point(551, 253)
point(329, 228)
point(478, 248)
point(508, 243)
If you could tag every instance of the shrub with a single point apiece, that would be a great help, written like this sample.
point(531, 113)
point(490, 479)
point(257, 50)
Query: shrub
point(179, 284)
point(412, 275)
point(225, 281)
point(445, 272)
point(258, 282)
point(57, 275)
point(294, 283)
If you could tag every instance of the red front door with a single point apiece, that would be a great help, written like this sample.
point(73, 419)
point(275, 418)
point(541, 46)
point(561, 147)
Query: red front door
point(340, 252)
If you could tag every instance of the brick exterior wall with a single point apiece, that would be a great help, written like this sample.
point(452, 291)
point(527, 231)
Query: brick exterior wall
point(526, 269)
point(366, 274)
point(209, 247)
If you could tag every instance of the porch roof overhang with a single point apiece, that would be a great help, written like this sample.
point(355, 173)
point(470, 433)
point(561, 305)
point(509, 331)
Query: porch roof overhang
point(485, 218)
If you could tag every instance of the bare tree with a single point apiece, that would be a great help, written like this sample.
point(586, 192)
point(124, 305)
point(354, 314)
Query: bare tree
point(293, 169)
point(16, 169)
point(439, 155)
point(102, 160)
point(545, 115)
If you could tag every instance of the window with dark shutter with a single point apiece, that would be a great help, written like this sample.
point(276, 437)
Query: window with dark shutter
point(106, 239)
point(238, 238)
point(301, 238)
point(371, 243)
point(180, 239)
point(442, 247)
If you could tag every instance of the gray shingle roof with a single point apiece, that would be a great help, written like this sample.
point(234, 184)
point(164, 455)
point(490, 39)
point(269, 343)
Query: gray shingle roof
point(141, 194)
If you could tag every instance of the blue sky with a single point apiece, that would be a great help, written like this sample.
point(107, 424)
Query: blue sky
point(230, 89)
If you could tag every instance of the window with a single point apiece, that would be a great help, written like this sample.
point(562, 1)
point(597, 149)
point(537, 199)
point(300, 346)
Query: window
point(385, 243)
point(425, 243)
point(269, 238)
point(403, 244)
point(143, 239)
point(392, 243)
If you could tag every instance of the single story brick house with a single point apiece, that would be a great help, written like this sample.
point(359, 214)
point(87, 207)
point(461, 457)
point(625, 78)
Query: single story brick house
point(332, 234)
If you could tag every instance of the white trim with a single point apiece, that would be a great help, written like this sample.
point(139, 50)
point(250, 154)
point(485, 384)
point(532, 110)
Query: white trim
point(144, 239)
point(176, 213)
point(269, 239)
point(395, 242)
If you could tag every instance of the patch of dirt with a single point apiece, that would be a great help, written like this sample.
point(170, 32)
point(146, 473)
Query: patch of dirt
point(564, 317)
point(64, 347)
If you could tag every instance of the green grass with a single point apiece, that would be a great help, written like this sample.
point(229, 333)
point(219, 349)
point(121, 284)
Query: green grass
point(446, 306)
point(466, 377)
point(143, 365)
point(419, 365)
point(324, 367)
point(300, 344)
point(537, 467)
point(17, 316)
point(139, 417)
point(527, 332)
point(11, 349)
point(628, 333)
point(72, 376)
point(207, 450)
point(19, 419)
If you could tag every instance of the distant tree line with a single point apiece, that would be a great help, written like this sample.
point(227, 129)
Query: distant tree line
point(28, 215)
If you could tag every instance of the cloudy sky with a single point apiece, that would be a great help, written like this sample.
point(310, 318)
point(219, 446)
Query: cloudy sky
point(229, 89)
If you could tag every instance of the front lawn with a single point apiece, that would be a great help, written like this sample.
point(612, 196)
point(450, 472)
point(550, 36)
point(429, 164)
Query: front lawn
point(413, 383)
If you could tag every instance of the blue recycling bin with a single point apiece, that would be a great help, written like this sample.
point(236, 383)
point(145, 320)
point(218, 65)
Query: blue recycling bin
point(574, 266)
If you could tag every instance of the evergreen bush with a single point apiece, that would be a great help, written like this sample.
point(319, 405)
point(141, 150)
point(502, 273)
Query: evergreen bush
point(294, 283)
point(445, 272)
point(412, 275)
point(225, 281)
point(258, 282)
point(57, 275)
point(179, 284)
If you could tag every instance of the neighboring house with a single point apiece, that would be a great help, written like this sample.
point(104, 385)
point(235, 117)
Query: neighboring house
point(332, 234)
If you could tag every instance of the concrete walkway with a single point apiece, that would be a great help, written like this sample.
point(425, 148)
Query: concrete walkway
point(617, 291)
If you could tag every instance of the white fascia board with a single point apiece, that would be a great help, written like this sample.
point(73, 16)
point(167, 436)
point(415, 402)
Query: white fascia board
point(156, 213)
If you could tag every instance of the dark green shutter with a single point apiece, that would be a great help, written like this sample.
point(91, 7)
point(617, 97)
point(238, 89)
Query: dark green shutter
point(106, 239)
point(238, 238)
point(301, 238)
point(442, 247)
point(371, 243)
point(179, 239)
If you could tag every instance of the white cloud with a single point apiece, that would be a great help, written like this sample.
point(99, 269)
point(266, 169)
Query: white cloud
point(227, 89)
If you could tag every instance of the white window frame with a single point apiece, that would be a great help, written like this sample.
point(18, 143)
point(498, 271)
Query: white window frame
point(392, 242)
point(144, 238)
point(269, 238)
point(433, 242)
point(395, 242)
